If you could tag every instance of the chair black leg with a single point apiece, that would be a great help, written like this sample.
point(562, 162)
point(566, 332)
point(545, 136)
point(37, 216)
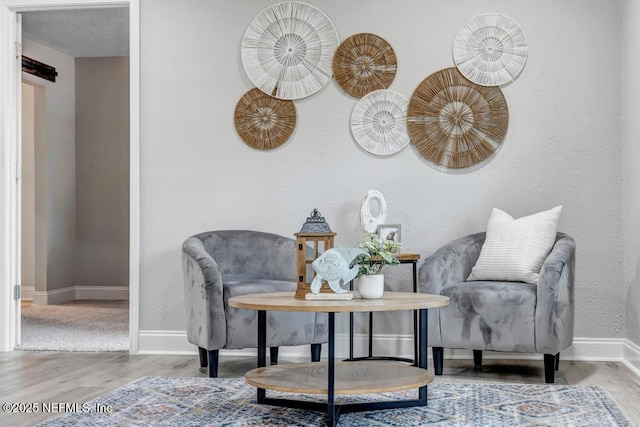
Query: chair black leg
point(273, 355)
point(477, 358)
point(203, 357)
point(557, 361)
point(213, 363)
point(549, 368)
point(316, 350)
point(438, 358)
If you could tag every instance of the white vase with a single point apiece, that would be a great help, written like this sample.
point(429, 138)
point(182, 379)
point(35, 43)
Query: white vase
point(371, 286)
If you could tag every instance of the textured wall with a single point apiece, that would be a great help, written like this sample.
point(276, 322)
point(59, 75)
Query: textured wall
point(563, 145)
point(102, 171)
point(631, 109)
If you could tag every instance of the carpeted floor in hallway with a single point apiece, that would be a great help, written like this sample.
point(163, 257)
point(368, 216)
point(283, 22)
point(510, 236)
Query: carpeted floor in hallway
point(82, 325)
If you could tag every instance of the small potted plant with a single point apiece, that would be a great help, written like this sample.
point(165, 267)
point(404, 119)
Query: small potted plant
point(379, 252)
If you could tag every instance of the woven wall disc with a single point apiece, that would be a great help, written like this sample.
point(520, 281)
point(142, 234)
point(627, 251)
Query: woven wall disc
point(288, 49)
point(378, 122)
point(490, 50)
point(363, 63)
point(264, 122)
point(454, 122)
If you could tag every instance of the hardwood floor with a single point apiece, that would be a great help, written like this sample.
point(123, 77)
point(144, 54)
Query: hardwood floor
point(29, 377)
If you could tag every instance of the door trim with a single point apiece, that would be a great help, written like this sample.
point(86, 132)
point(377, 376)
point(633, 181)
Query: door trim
point(10, 79)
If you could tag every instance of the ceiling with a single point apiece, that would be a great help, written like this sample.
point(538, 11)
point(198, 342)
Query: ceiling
point(80, 32)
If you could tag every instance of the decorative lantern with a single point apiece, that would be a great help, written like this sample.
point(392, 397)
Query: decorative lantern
point(315, 234)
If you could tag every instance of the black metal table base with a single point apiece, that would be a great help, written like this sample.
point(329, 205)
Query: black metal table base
point(332, 409)
point(345, 407)
point(370, 355)
point(389, 358)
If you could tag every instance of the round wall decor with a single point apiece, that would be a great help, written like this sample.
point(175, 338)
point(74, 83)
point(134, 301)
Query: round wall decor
point(490, 50)
point(288, 48)
point(264, 122)
point(378, 122)
point(454, 122)
point(363, 63)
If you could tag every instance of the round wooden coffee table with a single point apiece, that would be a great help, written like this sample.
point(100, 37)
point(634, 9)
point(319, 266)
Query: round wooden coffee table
point(331, 378)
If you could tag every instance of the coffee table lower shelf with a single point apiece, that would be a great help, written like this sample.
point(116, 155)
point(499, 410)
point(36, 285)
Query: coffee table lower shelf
point(340, 378)
point(362, 377)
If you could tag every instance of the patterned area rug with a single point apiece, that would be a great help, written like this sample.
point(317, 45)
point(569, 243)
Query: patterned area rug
point(82, 325)
point(231, 402)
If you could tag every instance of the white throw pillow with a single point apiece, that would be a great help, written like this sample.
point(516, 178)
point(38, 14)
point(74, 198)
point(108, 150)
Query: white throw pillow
point(515, 249)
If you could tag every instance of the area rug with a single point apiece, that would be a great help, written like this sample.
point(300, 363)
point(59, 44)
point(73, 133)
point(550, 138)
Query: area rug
point(82, 325)
point(231, 402)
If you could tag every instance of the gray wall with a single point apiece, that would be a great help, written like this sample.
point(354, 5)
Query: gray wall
point(563, 146)
point(631, 109)
point(102, 171)
point(34, 190)
point(60, 166)
point(82, 175)
point(28, 220)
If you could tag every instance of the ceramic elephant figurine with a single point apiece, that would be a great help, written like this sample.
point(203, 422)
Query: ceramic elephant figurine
point(333, 266)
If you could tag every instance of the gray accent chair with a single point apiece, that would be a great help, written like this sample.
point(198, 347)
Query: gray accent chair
point(218, 265)
point(500, 316)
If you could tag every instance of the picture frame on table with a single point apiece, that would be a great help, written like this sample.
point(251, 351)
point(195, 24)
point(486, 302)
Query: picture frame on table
point(391, 232)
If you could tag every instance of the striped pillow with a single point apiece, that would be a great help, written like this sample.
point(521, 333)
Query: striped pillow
point(515, 249)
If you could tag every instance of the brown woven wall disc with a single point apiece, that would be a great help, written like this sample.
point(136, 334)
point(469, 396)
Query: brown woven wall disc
point(264, 122)
point(454, 122)
point(363, 63)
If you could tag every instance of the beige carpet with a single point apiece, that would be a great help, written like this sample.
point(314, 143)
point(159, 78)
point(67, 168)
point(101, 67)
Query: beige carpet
point(83, 325)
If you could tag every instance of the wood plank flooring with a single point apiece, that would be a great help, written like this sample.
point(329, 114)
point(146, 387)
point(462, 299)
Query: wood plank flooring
point(79, 377)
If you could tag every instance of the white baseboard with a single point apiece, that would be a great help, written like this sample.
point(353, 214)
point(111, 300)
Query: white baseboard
point(102, 292)
point(176, 343)
point(59, 296)
point(595, 349)
point(26, 292)
point(582, 349)
point(165, 342)
point(631, 356)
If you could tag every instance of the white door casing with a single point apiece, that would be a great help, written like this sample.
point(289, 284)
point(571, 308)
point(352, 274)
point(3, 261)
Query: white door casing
point(16, 257)
point(10, 83)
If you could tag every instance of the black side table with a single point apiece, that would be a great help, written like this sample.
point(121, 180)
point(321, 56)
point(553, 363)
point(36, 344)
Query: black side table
point(404, 258)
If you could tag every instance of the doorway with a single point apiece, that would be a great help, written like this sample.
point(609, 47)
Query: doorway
point(81, 192)
point(11, 241)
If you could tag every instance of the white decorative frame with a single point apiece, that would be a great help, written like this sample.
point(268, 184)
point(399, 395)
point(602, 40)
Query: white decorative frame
point(378, 122)
point(287, 50)
point(368, 222)
point(490, 50)
point(390, 230)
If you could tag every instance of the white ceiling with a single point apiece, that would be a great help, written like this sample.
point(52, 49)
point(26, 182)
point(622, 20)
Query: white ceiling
point(80, 32)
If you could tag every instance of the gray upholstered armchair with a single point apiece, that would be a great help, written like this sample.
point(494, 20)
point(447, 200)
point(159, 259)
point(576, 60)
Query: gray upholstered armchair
point(218, 265)
point(500, 316)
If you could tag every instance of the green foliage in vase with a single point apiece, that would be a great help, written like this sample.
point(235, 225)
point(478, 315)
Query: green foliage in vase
point(380, 252)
